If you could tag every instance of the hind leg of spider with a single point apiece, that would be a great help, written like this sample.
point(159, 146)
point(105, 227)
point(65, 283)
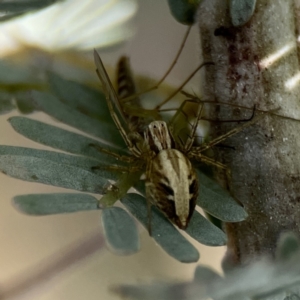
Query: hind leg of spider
point(183, 84)
point(149, 216)
point(195, 99)
point(232, 120)
point(209, 161)
point(220, 103)
point(234, 131)
point(186, 146)
point(117, 156)
point(154, 87)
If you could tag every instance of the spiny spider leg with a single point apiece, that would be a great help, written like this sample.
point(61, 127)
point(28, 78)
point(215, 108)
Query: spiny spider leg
point(127, 99)
point(117, 156)
point(112, 100)
point(219, 103)
point(187, 145)
point(129, 169)
point(196, 150)
point(183, 84)
point(211, 161)
point(167, 72)
point(190, 141)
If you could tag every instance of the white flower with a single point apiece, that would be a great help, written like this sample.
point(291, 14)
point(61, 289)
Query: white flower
point(71, 24)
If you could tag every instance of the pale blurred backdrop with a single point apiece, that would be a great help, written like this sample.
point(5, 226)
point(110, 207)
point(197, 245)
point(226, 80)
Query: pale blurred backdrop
point(27, 242)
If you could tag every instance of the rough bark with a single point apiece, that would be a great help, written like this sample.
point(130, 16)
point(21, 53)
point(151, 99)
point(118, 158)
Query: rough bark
point(254, 65)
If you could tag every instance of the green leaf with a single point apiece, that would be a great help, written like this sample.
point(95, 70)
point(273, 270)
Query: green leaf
point(88, 101)
point(184, 10)
point(241, 11)
point(61, 139)
point(288, 246)
point(76, 161)
point(24, 102)
point(54, 168)
point(68, 115)
point(48, 204)
point(45, 171)
point(205, 232)
point(120, 231)
point(264, 279)
point(6, 102)
point(205, 275)
point(164, 233)
point(24, 6)
point(21, 100)
point(156, 290)
point(217, 201)
point(12, 74)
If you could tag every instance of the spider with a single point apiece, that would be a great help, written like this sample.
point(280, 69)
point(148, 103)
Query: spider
point(171, 182)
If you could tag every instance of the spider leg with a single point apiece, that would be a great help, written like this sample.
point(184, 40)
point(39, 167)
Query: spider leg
point(209, 161)
point(187, 145)
point(114, 104)
point(167, 72)
point(149, 216)
point(129, 169)
point(117, 156)
point(183, 84)
point(235, 130)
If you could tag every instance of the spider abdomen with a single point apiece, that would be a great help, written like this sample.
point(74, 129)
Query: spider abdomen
point(172, 186)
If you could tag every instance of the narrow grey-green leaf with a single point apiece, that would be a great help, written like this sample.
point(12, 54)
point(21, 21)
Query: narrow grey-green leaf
point(85, 99)
point(20, 100)
point(120, 231)
point(164, 233)
point(24, 102)
point(184, 11)
point(61, 139)
point(205, 232)
point(12, 74)
point(6, 103)
point(261, 280)
point(61, 158)
point(24, 6)
point(45, 171)
point(205, 275)
point(65, 170)
point(241, 11)
point(48, 204)
point(156, 290)
point(217, 201)
point(68, 115)
point(288, 246)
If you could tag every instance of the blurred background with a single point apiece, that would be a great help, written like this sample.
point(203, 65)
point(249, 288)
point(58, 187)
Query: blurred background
point(29, 244)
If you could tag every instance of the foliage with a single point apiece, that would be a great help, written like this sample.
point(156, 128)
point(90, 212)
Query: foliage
point(185, 11)
point(241, 11)
point(85, 109)
point(16, 81)
point(14, 9)
point(278, 280)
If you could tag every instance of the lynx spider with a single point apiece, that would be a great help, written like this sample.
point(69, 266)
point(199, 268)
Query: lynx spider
point(171, 181)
